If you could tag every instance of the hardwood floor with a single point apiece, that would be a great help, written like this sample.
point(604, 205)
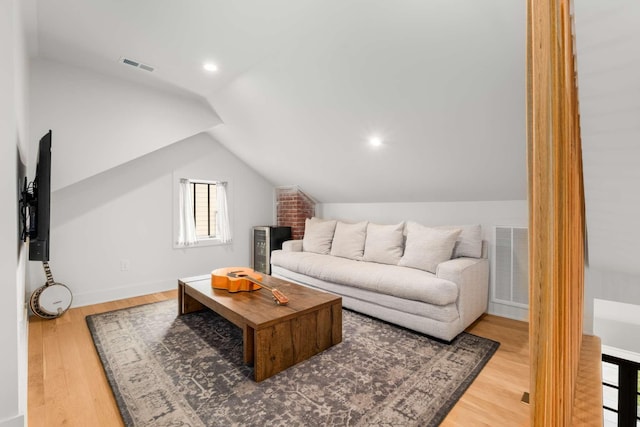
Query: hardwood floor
point(494, 398)
point(67, 386)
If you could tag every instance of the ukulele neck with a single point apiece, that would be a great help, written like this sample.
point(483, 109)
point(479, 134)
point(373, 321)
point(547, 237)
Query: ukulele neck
point(257, 282)
point(279, 297)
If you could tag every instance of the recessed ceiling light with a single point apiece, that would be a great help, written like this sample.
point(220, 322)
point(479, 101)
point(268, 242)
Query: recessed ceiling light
point(375, 141)
point(210, 67)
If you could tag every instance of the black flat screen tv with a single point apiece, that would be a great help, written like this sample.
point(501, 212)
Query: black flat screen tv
point(40, 205)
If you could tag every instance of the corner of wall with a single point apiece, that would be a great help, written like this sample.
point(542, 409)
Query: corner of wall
point(13, 134)
point(18, 421)
point(293, 207)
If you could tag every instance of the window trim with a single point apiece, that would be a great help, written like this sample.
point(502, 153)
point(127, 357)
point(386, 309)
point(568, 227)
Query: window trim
point(202, 242)
point(208, 184)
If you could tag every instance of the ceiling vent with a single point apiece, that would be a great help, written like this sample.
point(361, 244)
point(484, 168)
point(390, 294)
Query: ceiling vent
point(137, 64)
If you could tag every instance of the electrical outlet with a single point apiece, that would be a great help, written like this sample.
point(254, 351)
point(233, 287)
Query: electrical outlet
point(124, 265)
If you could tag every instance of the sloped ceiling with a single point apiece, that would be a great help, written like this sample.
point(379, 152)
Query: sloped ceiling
point(303, 84)
point(100, 122)
point(441, 82)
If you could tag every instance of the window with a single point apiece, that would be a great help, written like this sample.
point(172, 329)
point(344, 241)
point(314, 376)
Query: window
point(204, 198)
point(203, 213)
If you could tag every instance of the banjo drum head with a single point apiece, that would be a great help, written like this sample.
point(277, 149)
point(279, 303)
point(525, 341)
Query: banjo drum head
point(51, 301)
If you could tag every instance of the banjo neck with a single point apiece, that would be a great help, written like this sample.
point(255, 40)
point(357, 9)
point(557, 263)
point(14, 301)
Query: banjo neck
point(47, 272)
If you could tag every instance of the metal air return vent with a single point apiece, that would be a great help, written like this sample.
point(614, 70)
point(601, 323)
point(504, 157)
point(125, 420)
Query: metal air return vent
point(137, 64)
point(511, 266)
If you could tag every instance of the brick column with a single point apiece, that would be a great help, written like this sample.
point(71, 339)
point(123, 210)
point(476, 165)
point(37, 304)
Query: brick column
point(293, 207)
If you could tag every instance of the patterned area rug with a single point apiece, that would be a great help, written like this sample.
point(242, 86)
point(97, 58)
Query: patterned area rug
point(169, 370)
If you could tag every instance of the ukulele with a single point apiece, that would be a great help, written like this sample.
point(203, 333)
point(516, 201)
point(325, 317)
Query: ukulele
point(236, 279)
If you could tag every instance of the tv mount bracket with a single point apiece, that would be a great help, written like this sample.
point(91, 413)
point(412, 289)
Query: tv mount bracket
point(27, 200)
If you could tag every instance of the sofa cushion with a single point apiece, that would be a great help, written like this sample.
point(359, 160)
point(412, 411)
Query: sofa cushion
point(318, 234)
point(469, 243)
point(397, 281)
point(441, 313)
point(427, 247)
point(348, 240)
point(384, 243)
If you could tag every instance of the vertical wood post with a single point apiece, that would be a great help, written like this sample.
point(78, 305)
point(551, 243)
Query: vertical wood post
point(556, 212)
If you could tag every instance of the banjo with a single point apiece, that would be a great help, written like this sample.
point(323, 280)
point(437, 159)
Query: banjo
point(52, 299)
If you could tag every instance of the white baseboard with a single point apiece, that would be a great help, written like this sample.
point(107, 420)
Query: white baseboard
point(17, 421)
point(508, 311)
point(128, 291)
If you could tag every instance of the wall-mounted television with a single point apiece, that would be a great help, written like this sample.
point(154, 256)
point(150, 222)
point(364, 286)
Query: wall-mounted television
point(36, 199)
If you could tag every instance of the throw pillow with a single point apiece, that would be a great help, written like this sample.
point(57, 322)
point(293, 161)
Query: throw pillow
point(427, 247)
point(348, 240)
point(469, 243)
point(384, 243)
point(318, 235)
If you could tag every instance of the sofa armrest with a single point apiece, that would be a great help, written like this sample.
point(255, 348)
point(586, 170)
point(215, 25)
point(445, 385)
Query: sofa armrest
point(292, 246)
point(472, 277)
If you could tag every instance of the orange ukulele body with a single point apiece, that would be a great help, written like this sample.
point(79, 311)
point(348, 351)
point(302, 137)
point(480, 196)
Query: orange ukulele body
point(235, 279)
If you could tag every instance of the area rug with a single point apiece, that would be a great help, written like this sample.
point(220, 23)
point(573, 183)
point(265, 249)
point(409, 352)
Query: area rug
point(170, 370)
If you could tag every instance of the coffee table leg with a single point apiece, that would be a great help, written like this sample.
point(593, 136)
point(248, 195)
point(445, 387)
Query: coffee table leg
point(248, 334)
point(186, 303)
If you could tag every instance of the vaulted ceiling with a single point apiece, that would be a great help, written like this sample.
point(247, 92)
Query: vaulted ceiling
point(303, 84)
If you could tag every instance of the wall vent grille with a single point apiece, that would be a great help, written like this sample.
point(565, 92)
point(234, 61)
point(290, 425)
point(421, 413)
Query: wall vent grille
point(511, 266)
point(137, 64)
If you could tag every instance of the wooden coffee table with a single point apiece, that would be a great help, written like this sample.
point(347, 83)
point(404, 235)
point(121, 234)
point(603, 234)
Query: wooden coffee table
point(275, 337)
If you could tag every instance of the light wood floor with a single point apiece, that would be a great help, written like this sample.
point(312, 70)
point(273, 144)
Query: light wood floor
point(67, 386)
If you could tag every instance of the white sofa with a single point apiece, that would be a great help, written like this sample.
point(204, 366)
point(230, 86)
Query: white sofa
point(434, 280)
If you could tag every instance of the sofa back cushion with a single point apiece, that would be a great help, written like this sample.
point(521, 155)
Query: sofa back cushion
point(384, 243)
point(469, 243)
point(318, 234)
point(348, 240)
point(427, 247)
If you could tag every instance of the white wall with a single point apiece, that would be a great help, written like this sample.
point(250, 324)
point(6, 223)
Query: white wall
point(607, 36)
point(128, 213)
point(618, 324)
point(100, 122)
point(13, 158)
point(488, 214)
point(611, 286)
